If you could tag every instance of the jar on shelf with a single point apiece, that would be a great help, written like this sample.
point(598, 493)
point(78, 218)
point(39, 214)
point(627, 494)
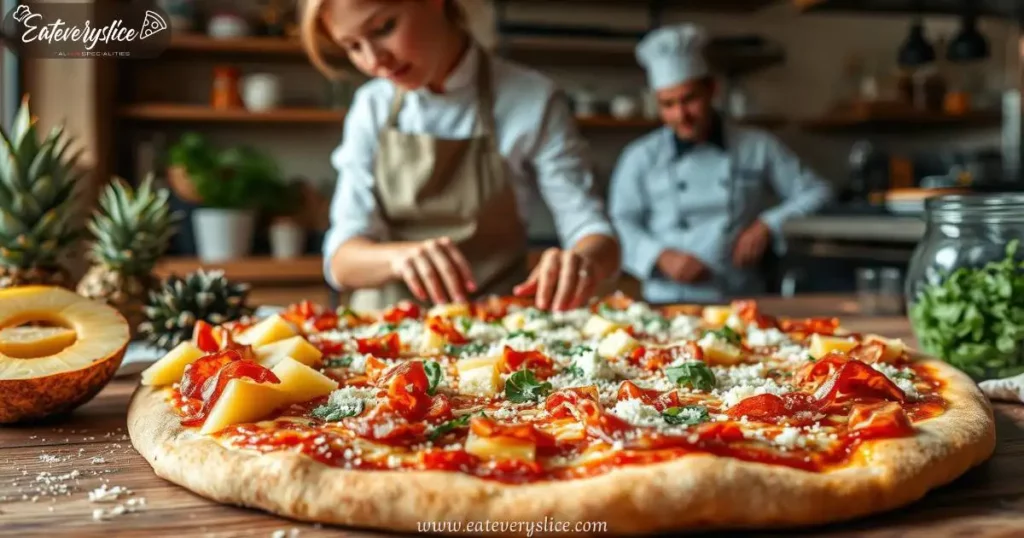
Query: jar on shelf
point(965, 283)
point(226, 93)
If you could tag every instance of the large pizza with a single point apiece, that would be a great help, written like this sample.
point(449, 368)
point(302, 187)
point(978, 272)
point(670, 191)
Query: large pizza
point(627, 417)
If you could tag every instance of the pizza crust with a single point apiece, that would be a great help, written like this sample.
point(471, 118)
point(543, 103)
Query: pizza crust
point(699, 492)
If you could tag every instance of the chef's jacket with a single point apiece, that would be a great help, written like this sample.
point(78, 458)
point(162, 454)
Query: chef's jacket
point(698, 198)
point(545, 156)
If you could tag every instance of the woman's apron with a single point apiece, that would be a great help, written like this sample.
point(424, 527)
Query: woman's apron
point(429, 187)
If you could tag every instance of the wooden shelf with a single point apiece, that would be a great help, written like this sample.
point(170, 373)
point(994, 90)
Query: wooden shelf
point(712, 6)
point(996, 8)
point(764, 121)
point(905, 121)
point(538, 50)
point(257, 270)
point(171, 112)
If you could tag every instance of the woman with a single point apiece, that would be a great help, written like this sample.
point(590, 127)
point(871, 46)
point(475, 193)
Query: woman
point(441, 157)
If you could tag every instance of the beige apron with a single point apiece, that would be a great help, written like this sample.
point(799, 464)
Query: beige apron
point(429, 187)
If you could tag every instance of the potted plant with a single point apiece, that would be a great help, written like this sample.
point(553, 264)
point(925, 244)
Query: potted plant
point(287, 229)
point(231, 186)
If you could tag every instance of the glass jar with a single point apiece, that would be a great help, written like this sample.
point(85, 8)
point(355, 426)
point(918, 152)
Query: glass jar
point(965, 283)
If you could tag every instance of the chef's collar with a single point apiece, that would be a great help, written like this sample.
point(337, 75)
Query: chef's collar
point(464, 74)
point(716, 137)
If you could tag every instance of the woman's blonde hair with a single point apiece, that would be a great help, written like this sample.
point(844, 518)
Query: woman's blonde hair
point(475, 16)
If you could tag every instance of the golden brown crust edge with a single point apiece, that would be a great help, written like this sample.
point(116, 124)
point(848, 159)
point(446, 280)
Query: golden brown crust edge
point(699, 492)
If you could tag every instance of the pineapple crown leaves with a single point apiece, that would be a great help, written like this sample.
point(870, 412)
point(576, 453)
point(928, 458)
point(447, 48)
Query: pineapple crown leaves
point(37, 186)
point(180, 302)
point(132, 228)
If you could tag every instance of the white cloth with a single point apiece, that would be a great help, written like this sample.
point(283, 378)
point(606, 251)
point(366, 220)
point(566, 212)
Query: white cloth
point(673, 55)
point(545, 155)
point(1010, 389)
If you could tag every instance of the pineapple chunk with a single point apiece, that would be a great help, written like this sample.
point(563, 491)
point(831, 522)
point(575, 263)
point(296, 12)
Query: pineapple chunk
point(514, 321)
point(894, 347)
point(273, 329)
point(243, 401)
point(432, 342)
point(616, 344)
point(719, 352)
point(300, 382)
point(171, 367)
point(823, 345)
point(597, 327)
point(716, 315)
point(454, 310)
point(479, 377)
point(295, 347)
point(501, 448)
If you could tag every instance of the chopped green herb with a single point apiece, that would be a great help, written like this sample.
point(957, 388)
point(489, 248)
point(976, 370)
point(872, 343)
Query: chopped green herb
point(472, 348)
point(451, 425)
point(810, 358)
point(573, 370)
point(690, 415)
point(386, 328)
point(434, 376)
point(465, 324)
point(727, 334)
point(560, 346)
point(340, 362)
point(692, 374)
point(526, 334)
point(974, 318)
point(522, 387)
point(533, 314)
point(904, 375)
point(580, 350)
point(346, 312)
point(333, 412)
point(606, 311)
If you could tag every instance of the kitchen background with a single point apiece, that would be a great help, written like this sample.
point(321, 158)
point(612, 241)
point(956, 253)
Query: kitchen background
point(827, 81)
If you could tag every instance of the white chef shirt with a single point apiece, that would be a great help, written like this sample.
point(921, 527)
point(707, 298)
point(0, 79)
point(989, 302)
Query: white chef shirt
point(536, 133)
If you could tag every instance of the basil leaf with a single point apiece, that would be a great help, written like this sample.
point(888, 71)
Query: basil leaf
point(465, 324)
point(340, 362)
point(692, 374)
point(434, 376)
point(690, 415)
point(523, 387)
point(526, 334)
point(332, 412)
point(904, 375)
point(573, 370)
point(386, 328)
point(606, 311)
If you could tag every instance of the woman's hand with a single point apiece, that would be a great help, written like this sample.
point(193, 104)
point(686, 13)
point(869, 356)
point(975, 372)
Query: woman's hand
point(563, 280)
point(437, 270)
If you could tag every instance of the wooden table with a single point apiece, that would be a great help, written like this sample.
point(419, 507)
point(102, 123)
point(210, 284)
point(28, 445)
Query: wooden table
point(91, 448)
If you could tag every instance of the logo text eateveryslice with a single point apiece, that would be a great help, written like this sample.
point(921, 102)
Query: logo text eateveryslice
point(60, 31)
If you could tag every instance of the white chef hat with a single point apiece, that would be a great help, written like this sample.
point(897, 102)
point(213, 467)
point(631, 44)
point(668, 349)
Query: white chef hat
point(673, 55)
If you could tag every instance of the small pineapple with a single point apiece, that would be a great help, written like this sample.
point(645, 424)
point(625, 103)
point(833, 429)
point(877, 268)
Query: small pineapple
point(179, 303)
point(132, 231)
point(37, 183)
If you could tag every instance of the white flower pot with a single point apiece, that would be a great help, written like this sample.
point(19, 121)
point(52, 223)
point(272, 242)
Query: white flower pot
point(223, 234)
point(287, 240)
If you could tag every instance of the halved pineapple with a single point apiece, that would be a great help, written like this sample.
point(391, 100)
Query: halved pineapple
point(29, 342)
point(171, 367)
point(61, 380)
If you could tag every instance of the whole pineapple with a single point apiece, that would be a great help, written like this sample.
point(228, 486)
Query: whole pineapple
point(179, 303)
point(132, 230)
point(37, 183)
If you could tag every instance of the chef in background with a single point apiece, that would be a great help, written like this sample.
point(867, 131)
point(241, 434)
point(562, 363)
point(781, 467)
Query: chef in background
point(690, 200)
